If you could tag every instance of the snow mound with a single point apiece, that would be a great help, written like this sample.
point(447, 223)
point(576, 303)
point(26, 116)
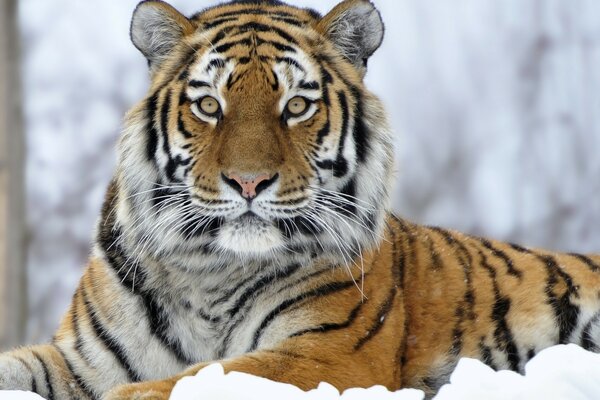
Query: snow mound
point(18, 395)
point(565, 372)
point(561, 372)
point(212, 383)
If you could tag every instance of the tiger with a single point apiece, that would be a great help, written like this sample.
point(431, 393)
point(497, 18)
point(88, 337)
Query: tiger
point(249, 223)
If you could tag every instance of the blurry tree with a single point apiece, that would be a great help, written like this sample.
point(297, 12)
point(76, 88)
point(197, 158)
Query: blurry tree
point(12, 266)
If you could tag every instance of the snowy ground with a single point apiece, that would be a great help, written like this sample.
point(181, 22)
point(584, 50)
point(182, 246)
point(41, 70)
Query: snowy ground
point(558, 373)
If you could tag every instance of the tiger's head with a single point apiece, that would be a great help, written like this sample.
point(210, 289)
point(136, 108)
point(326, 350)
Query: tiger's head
point(258, 139)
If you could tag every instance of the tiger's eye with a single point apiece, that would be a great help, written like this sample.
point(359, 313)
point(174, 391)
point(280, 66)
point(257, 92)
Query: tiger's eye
point(209, 105)
point(297, 106)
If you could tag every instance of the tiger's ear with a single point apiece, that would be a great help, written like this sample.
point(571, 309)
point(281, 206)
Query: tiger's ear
point(356, 29)
point(156, 28)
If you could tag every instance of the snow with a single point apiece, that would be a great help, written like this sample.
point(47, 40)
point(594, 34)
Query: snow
point(212, 383)
point(557, 373)
point(18, 395)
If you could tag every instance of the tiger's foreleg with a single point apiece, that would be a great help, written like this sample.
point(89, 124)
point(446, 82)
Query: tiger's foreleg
point(39, 369)
point(302, 368)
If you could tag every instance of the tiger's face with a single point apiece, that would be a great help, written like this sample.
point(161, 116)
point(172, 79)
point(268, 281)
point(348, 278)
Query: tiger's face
point(258, 139)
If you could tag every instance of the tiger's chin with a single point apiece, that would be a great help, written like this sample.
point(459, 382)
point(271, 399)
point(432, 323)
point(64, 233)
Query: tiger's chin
point(250, 237)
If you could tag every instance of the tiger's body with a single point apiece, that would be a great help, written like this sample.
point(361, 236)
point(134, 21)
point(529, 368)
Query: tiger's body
point(248, 223)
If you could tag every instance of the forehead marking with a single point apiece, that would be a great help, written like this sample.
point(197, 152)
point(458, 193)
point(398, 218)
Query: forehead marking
point(252, 26)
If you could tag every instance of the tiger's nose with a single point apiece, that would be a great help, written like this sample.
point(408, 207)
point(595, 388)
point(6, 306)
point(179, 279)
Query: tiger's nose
point(249, 186)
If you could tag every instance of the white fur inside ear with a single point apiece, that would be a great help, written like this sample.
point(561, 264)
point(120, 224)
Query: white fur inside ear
point(357, 31)
point(154, 31)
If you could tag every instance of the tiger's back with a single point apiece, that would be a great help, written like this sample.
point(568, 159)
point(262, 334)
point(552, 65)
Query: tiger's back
point(497, 302)
point(248, 223)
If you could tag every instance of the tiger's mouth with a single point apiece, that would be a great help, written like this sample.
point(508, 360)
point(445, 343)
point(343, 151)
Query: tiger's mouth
point(250, 234)
point(250, 217)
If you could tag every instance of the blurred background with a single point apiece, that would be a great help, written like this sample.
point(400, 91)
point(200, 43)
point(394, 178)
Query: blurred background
point(495, 106)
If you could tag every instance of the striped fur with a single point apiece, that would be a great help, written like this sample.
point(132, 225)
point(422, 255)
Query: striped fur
point(313, 280)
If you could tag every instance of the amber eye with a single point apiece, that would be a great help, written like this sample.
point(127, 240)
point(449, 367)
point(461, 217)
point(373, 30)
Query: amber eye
point(209, 106)
point(297, 106)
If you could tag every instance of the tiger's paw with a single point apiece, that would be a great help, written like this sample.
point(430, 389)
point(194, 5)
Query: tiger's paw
point(14, 374)
point(159, 390)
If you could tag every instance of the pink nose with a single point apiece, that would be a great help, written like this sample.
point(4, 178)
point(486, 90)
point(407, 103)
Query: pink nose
point(250, 185)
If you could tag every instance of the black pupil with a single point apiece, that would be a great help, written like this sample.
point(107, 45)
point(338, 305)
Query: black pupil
point(297, 106)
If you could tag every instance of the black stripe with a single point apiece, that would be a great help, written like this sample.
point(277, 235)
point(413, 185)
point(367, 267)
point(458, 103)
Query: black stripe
point(318, 292)
point(215, 63)
point(486, 354)
point(227, 295)
point(333, 64)
point(340, 165)
point(466, 308)
point(305, 226)
point(287, 353)
point(158, 318)
point(224, 47)
point(587, 341)
point(503, 336)
point(48, 382)
point(587, 261)
point(290, 61)
point(109, 341)
point(198, 84)
point(251, 11)
point(207, 317)
point(77, 330)
point(279, 46)
point(160, 324)
point(33, 383)
point(398, 259)
point(152, 135)
point(182, 129)
point(399, 268)
point(437, 263)
point(184, 75)
point(565, 311)
point(323, 132)
point(258, 27)
point(312, 85)
point(218, 21)
point(504, 257)
point(305, 278)
point(405, 249)
point(502, 333)
point(343, 203)
point(384, 309)
point(235, 78)
point(183, 99)
point(360, 131)
point(172, 163)
point(253, 290)
point(328, 327)
point(520, 249)
point(78, 379)
point(289, 21)
point(326, 80)
point(258, 287)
